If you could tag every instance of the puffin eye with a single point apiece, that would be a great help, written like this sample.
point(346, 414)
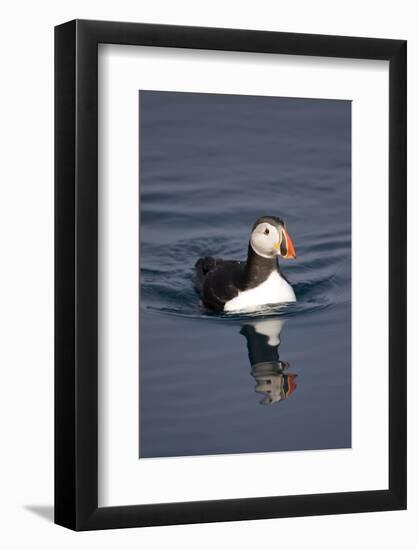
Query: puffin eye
point(266, 232)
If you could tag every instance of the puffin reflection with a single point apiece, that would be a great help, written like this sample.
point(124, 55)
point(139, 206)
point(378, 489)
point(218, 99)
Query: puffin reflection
point(263, 340)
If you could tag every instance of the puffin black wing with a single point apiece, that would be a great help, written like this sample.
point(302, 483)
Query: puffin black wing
point(218, 281)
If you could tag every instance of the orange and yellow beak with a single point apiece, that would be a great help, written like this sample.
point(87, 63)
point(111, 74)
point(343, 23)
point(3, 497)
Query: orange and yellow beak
point(286, 246)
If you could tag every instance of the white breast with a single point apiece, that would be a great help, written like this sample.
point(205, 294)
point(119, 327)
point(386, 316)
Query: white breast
point(274, 290)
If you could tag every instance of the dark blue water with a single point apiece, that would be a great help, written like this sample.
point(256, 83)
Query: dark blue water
point(278, 379)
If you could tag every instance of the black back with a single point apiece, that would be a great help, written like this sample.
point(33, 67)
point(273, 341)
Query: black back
point(219, 281)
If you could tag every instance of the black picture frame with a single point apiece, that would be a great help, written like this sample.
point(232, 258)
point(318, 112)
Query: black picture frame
point(76, 272)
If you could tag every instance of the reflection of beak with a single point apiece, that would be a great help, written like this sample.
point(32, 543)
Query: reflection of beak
point(286, 247)
point(291, 384)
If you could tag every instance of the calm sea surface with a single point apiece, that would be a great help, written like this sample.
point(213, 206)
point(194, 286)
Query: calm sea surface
point(279, 379)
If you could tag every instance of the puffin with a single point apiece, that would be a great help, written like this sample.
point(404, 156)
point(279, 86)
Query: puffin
point(232, 285)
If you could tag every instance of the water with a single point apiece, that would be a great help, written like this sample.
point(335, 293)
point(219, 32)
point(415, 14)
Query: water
point(278, 379)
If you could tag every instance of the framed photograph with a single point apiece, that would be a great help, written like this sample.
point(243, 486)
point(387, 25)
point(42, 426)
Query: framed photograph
point(230, 275)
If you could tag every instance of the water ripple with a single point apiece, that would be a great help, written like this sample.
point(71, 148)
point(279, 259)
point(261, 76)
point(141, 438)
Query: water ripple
point(320, 280)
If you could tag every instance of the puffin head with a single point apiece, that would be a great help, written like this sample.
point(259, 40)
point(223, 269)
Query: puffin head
point(270, 238)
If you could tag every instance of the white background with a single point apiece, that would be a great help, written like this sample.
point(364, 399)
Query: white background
point(26, 300)
point(122, 478)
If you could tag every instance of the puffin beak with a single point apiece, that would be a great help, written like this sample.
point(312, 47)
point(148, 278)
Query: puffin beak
point(286, 247)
